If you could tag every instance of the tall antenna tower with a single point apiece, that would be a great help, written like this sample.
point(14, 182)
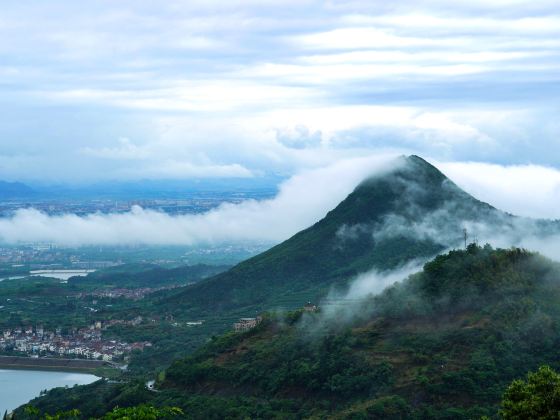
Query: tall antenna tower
point(465, 236)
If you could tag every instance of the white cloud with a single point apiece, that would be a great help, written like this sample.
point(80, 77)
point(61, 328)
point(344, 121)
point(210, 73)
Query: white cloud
point(374, 282)
point(366, 37)
point(173, 169)
point(407, 128)
point(298, 137)
point(432, 57)
point(483, 25)
point(429, 76)
point(185, 95)
point(125, 150)
point(301, 201)
point(526, 190)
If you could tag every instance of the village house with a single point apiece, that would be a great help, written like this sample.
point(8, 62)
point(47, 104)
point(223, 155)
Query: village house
point(84, 342)
point(309, 307)
point(245, 324)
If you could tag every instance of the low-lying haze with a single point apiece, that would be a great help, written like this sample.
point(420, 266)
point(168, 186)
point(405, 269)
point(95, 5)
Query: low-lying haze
point(302, 200)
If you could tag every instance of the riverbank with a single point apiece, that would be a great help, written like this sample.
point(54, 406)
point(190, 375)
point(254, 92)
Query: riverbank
point(52, 364)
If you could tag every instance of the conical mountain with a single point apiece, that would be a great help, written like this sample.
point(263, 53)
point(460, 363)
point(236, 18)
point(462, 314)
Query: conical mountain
point(412, 212)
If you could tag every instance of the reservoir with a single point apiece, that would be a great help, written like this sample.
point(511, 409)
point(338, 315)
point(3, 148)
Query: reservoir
point(17, 387)
point(63, 275)
point(60, 274)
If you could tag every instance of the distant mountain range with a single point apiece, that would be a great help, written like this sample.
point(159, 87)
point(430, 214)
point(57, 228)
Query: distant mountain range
point(154, 189)
point(15, 190)
point(265, 186)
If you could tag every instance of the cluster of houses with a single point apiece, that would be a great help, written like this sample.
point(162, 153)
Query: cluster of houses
point(310, 307)
point(245, 324)
point(134, 294)
point(84, 343)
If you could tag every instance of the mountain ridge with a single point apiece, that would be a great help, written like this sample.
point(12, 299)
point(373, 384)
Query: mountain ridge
point(375, 227)
point(15, 190)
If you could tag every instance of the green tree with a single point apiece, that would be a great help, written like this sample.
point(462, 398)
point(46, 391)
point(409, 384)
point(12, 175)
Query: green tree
point(536, 398)
point(142, 412)
point(34, 413)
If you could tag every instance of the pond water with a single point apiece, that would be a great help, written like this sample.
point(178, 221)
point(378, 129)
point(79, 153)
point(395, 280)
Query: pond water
point(57, 274)
point(19, 386)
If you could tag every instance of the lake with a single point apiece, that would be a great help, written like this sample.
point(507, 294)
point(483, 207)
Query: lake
point(19, 386)
point(60, 274)
point(63, 275)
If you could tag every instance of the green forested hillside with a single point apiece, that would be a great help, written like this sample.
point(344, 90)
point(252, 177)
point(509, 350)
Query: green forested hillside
point(444, 343)
point(358, 235)
point(409, 213)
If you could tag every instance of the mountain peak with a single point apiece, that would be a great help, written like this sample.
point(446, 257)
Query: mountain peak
point(14, 190)
point(416, 163)
point(419, 160)
point(411, 212)
point(413, 188)
point(412, 169)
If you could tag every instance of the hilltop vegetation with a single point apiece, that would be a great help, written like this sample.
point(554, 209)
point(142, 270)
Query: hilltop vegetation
point(444, 343)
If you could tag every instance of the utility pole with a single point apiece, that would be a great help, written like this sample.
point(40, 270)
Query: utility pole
point(465, 236)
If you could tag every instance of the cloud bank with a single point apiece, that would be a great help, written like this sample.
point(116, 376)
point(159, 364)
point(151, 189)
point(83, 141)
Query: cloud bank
point(525, 190)
point(301, 201)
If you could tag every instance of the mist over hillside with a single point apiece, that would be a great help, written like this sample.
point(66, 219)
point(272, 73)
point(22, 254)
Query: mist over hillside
point(404, 216)
point(442, 343)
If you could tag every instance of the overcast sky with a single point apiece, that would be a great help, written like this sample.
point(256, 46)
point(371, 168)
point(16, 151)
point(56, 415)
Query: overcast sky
point(137, 89)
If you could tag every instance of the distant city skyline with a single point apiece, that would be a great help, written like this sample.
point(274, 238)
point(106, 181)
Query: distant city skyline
point(134, 90)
